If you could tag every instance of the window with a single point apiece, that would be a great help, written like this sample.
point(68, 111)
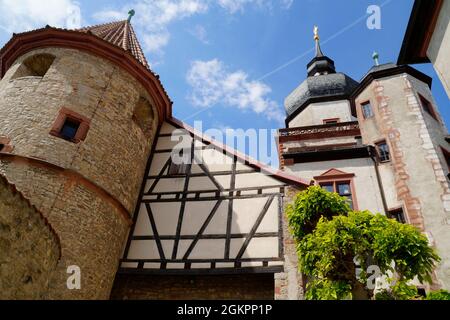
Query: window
point(367, 110)
point(343, 188)
point(397, 214)
point(70, 126)
point(144, 115)
point(178, 169)
point(447, 157)
point(34, 66)
point(331, 121)
point(180, 166)
point(426, 105)
point(383, 151)
point(69, 129)
point(5, 145)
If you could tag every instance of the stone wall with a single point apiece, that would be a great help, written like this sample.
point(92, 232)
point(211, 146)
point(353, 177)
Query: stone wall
point(29, 248)
point(183, 287)
point(87, 190)
point(289, 284)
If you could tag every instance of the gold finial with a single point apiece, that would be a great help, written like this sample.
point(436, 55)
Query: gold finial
point(316, 33)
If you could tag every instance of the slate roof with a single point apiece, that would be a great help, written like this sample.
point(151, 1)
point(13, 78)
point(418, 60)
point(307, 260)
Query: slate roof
point(321, 86)
point(121, 34)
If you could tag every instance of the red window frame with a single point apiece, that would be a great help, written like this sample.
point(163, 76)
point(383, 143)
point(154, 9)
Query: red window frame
point(335, 180)
point(63, 115)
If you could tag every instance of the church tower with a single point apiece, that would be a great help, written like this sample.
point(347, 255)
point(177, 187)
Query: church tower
point(381, 143)
point(78, 115)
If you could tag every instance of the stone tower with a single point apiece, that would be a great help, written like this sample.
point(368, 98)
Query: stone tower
point(78, 115)
point(395, 108)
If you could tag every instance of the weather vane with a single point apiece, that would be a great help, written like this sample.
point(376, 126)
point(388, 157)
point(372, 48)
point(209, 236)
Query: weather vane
point(316, 33)
point(131, 14)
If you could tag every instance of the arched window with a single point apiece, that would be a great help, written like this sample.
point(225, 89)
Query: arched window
point(143, 115)
point(34, 66)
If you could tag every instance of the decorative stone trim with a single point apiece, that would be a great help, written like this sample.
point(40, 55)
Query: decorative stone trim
point(427, 144)
point(412, 204)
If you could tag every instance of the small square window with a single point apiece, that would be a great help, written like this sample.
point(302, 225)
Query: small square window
point(70, 126)
point(331, 121)
point(398, 215)
point(426, 105)
point(383, 151)
point(177, 169)
point(1, 146)
point(69, 129)
point(367, 110)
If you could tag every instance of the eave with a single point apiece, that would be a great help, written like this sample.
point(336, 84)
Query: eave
point(419, 31)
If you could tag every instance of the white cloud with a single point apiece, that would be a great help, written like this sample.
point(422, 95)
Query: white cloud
point(24, 15)
point(212, 83)
point(286, 4)
point(200, 33)
point(154, 17)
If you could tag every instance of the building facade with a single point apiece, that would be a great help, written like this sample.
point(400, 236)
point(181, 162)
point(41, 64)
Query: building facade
point(380, 142)
point(142, 206)
point(427, 38)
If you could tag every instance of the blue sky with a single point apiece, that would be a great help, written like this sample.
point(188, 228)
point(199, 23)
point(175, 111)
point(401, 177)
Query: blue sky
point(231, 63)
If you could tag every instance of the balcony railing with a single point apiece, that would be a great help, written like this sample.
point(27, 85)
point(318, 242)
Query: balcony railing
point(331, 130)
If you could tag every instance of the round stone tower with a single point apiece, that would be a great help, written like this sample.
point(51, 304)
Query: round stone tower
point(78, 115)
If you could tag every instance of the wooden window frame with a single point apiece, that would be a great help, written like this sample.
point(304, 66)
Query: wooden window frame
point(331, 121)
point(393, 212)
point(63, 115)
point(337, 179)
point(428, 107)
point(365, 103)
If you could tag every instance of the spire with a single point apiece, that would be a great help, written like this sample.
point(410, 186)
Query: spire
point(375, 57)
point(320, 64)
point(317, 40)
point(121, 34)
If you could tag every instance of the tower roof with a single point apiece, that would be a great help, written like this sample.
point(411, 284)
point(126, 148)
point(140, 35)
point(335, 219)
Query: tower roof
point(121, 34)
point(322, 84)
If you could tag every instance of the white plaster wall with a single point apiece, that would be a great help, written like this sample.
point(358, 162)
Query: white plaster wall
point(315, 113)
point(439, 48)
point(365, 182)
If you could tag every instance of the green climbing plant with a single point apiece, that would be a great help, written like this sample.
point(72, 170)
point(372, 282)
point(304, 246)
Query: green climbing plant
point(330, 238)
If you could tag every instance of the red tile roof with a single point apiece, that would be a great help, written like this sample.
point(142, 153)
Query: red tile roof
point(121, 34)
